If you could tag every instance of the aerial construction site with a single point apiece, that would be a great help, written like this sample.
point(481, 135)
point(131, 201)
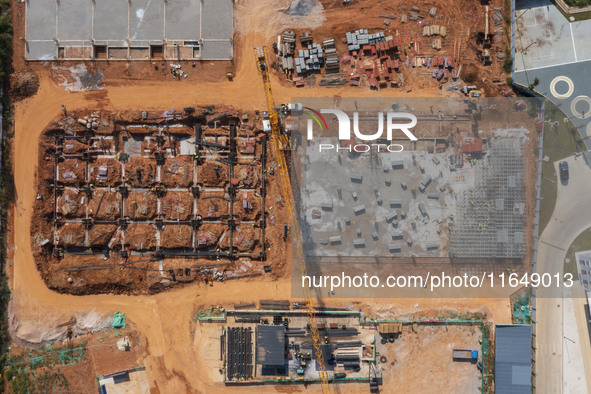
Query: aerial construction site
point(168, 199)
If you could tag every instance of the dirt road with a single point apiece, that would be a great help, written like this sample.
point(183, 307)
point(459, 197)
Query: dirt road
point(163, 320)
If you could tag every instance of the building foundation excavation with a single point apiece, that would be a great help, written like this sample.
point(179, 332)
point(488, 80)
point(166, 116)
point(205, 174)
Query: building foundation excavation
point(135, 202)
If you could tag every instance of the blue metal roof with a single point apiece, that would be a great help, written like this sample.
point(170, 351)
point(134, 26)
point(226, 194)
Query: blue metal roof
point(513, 359)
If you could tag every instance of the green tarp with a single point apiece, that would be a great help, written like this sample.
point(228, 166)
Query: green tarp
point(118, 320)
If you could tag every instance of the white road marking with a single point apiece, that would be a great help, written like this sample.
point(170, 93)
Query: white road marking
point(546, 13)
point(572, 37)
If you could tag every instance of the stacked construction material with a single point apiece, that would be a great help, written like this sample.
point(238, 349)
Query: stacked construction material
point(278, 305)
point(361, 37)
point(333, 80)
point(434, 30)
point(286, 50)
point(309, 59)
point(289, 37)
point(239, 360)
point(497, 16)
point(287, 63)
point(332, 60)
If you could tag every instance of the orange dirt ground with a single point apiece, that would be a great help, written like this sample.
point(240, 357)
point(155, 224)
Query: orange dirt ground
point(174, 358)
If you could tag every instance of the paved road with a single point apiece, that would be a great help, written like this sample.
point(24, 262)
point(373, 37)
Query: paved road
point(571, 216)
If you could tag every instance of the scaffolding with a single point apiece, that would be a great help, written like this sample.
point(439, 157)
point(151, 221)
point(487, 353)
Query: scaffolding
point(490, 220)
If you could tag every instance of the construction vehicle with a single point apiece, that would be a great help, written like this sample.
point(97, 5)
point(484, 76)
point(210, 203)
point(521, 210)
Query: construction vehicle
point(475, 104)
point(465, 355)
point(483, 40)
point(273, 117)
point(280, 142)
point(475, 96)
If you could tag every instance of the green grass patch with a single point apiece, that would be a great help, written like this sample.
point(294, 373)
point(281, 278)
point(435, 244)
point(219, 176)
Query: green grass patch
point(6, 194)
point(508, 64)
point(508, 12)
point(561, 142)
point(581, 16)
point(577, 3)
point(488, 360)
point(581, 243)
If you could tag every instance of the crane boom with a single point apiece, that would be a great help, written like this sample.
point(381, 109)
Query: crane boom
point(280, 141)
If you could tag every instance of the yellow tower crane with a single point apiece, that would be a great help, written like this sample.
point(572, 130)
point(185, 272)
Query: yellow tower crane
point(281, 142)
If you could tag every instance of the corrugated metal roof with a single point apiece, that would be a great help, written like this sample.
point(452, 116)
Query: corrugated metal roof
point(271, 345)
point(512, 359)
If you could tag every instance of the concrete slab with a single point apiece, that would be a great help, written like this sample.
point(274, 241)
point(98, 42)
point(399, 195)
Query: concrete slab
point(217, 19)
point(581, 32)
point(183, 20)
point(146, 20)
point(543, 36)
point(110, 20)
point(581, 306)
point(216, 50)
point(41, 20)
point(74, 20)
point(574, 380)
point(138, 23)
point(41, 50)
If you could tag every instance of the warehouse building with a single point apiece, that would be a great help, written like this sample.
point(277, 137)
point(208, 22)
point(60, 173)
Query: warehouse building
point(129, 30)
point(513, 359)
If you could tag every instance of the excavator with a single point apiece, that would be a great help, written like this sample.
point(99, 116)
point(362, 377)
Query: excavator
point(281, 143)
